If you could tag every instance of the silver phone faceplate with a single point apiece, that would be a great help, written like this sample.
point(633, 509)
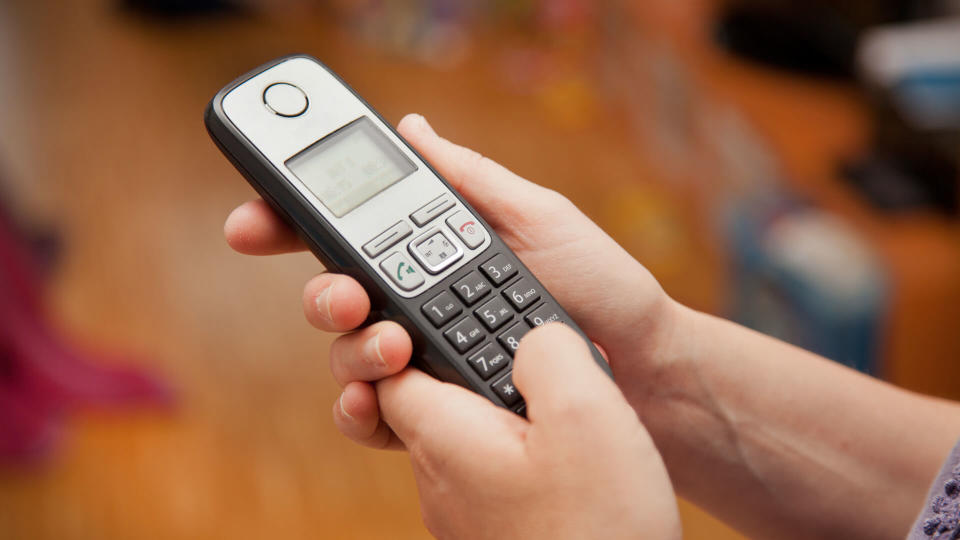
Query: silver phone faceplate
point(332, 106)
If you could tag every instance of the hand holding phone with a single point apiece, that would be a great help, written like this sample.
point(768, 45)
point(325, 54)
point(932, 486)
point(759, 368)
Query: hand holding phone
point(370, 207)
point(619, 304)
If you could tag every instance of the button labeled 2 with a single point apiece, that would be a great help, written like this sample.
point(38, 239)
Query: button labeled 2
point(471, 288)
point(401, 271)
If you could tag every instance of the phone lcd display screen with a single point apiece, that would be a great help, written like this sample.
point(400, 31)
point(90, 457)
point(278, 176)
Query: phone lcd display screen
point(348, 167)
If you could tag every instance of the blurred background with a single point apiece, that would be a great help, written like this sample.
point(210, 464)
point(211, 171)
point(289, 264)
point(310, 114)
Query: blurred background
point(792, 165)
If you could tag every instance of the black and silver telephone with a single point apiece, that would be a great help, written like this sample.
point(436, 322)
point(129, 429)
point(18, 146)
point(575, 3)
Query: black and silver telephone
point(369, 206)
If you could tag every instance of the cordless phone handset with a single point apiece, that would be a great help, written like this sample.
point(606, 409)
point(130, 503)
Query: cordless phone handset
point(368, 205)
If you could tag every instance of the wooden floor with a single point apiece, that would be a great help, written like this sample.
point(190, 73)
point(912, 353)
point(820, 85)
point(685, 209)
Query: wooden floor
point(101, 134)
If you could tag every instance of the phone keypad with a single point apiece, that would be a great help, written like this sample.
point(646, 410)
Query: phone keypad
point(472, 288)
point(490, 334)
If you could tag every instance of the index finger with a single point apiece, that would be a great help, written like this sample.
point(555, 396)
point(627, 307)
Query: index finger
point(253, 228)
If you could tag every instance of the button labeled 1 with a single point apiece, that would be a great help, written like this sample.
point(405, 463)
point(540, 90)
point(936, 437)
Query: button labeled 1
point(402, 271)
point(467, 228)
point(441, 308)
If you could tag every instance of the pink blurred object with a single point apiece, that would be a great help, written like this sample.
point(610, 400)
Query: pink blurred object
point(41, 377)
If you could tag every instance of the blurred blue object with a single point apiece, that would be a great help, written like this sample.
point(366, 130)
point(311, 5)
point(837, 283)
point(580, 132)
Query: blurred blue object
point(804, 276)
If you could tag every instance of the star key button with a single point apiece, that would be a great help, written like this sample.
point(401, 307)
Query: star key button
point(505, 389)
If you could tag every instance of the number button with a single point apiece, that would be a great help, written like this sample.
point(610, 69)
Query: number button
point(522, 294)
point(471, 288)
point(506, 390)
point(441, 309)
point(547, 313)
point(511, 338)
point(494, 313)
point(465, 334)
point(499, 269)
point(488, 361)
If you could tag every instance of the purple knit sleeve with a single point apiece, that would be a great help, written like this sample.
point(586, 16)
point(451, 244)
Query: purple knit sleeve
point(938, 520)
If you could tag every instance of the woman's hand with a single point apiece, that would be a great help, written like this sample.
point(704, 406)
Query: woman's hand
point(610, 295)
point(581, 467)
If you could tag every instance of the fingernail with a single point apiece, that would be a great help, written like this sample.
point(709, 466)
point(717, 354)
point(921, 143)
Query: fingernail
point(343, 409)
point(322, 302)
point(372, 352)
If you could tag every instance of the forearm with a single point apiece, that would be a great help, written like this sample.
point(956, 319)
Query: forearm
point(782, 443)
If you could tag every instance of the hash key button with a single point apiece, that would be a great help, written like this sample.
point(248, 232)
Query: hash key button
point(465, 334)
point(441, 309)
point(488, 361)
point(472, 288)
point(522, 294)
point(499, 269)
point(505, 389)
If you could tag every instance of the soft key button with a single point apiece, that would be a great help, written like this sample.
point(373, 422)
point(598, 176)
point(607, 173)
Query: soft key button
point(467, 229)
point(402, 271)
point(432, 210)
point(387, 239)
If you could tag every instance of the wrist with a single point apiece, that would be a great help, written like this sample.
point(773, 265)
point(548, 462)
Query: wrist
point(661, 365)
